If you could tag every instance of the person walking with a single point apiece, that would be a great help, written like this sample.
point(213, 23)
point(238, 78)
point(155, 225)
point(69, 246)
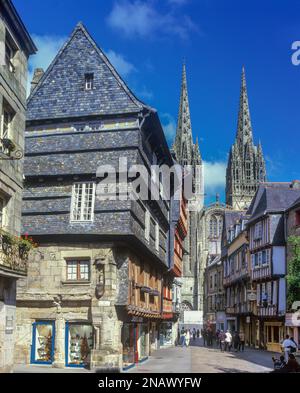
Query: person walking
point(198, 333)
point(292, 365)
point(183, 337)
point(242, 341)
point(222, 337)
point(187, 338)
point(236, 342)
point(287, 345)
point(204, 335)
point(228, 341)
point(194, 334)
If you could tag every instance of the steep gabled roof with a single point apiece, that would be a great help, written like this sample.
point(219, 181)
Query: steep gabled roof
point(273, 198)
point(61, 91)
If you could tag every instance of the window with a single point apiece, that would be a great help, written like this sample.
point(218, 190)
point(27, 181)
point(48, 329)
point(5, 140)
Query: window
point(89, 81)
point(6, 120)
point(157, 236)
point(10, 52)
point(147, 225)
point(2, 212)
point(83, 201)
point(78, 270)
point(211, 282)
point(213, 230)
point(297, 218)
point(258, 231)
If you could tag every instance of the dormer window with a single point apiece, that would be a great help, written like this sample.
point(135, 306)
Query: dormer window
point(89, 81)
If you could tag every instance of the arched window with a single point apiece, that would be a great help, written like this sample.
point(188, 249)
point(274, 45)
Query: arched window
point(220, 225)
point(213, 227)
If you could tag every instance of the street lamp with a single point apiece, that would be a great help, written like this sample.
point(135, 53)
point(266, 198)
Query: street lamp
point(10, 150)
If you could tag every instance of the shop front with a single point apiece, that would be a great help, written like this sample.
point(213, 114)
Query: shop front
point(292, 325)
point(166, 334)
point(154, 336)
point(274, 335)
point(43, 339)
point(135, 341)
point(78, 344)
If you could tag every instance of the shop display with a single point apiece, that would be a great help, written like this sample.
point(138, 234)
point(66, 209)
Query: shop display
point(80, 344)
point(43, 343)
point(166, 334)
point(143, 342)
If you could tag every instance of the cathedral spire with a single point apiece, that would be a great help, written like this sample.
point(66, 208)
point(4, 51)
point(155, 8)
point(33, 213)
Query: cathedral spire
point(183, 146)
point(244, 131)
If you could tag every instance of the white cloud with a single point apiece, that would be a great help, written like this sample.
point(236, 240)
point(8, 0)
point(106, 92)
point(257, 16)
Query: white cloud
point(120, 63)
point(48, 47)
point(138, 18)
point(214, 176)
point(169, 127)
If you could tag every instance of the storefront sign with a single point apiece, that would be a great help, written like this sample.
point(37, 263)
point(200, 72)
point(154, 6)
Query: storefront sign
point(248, 319)
point(292, 319)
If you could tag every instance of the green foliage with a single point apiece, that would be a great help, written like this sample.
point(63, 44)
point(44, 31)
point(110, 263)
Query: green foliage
point(293, 277)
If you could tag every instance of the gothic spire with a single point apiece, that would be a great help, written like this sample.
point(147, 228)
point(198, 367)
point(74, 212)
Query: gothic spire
point(197, 154)
point(244, 131)
point(184, 140)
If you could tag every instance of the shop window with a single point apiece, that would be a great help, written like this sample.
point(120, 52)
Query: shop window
point(128, 341)
point(79, 343)
point(78, 270)
point(83, 202)
point(143, 347)
point(42, 348)
point(276, 334)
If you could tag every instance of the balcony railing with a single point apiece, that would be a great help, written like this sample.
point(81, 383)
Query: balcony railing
point(236, 276)
point(13, 255)
point(267, 311)
point(241, 308)
point(261, 273)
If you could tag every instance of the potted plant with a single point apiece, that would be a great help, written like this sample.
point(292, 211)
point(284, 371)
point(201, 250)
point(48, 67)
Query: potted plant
point(25, 245)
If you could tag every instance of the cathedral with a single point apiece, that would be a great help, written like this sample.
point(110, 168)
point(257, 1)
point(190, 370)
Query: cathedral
point(245, 170)
point(188, 153)
point(246, 166)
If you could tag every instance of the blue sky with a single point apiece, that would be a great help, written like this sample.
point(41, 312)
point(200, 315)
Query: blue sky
point(147, 42)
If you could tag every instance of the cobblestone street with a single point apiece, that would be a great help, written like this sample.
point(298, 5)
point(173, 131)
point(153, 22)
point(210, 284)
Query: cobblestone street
point(198, 359)
point(195, 359)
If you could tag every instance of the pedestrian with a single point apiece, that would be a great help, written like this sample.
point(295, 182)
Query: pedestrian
point(194, 334)
point(222, 340)
point(182, 337)
point(204, 335)
point(218, 338)
point(187, 338)
point(228, 341)
point(236, 342)
point(294, 349)
point(209, 338)
point(198, 333)
point(287, 345)
point(242, 341)
point(292, 365)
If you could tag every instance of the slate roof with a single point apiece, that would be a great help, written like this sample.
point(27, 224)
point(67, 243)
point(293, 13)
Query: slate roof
point(272, 198)
point(231, 217)
point(61, 91)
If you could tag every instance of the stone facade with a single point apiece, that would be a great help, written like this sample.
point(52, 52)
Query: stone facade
point(188, 154)
point(15, 48)
point(246, 164)
point(89, 291)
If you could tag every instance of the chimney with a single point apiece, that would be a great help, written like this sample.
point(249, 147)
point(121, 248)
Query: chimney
point(295, 185)
point(38, 73)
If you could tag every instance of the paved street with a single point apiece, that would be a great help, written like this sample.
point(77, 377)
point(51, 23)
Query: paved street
point(195, 359)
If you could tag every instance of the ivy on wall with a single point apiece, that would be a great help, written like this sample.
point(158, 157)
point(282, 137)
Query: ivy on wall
point(293, 277)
